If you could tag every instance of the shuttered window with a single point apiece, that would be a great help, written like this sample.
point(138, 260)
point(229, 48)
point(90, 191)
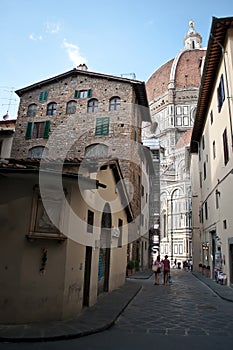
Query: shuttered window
point(102, 126)
point(220, 93)
point(83, 93)
point(37, 130)
point(43, 96)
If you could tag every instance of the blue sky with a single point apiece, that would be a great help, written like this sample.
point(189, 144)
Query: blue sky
point(40, 39)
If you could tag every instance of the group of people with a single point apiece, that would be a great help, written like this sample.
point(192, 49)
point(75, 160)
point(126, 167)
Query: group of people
point(162, 266)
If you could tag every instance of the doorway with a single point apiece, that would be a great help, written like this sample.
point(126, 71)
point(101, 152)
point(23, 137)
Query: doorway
point(87, 276)
point(105, 250)
point(231, 263)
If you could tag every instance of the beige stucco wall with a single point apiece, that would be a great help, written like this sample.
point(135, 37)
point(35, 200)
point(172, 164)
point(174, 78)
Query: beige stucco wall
point(26, 295)
point(219, 177)
point(195, 197)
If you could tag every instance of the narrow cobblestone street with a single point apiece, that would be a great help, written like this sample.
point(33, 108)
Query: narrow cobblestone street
point(186, 307)
point(186, 314)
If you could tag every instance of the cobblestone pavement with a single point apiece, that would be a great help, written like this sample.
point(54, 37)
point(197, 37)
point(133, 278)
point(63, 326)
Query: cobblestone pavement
point(186, 307)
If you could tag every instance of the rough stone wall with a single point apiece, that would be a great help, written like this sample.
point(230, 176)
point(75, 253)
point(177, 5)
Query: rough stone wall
point(70, 134)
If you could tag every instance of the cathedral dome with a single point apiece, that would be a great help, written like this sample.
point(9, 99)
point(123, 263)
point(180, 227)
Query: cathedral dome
point(183, 71)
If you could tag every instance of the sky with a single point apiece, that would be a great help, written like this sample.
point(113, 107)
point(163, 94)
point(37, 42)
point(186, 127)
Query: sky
point(42, 39)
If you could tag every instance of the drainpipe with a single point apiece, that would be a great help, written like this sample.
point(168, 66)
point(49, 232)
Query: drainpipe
point(227, 85)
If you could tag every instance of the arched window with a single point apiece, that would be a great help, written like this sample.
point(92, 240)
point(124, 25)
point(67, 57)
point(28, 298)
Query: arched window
point(38, 152)
point(114, 104)
point(92, 105)
point(32, 110)
point(51, 108)
point(71, 107)
point(96, 150)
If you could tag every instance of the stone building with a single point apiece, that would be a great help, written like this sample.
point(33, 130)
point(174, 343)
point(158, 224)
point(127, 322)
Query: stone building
point(7, 129)
point(172, 93)
point(212, 160)
point(74, 130)
point(84, 114)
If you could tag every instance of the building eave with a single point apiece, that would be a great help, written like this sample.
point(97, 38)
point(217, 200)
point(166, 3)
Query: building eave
point(139, 86)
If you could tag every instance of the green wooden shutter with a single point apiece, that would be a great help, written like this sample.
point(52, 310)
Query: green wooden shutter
point(89, 93)
point(28, 134)
point(76, 93)
point(46, 129)
point(106, 126)
point(43, 96)
point(102, 126)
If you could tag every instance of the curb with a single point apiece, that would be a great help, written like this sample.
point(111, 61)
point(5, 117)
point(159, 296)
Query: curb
point(215, 290)
point(95, 319)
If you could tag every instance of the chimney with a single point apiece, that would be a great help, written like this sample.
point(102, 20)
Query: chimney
point(82, 66)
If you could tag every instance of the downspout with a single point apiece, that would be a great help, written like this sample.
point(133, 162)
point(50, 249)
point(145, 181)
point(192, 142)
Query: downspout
point(227, 85)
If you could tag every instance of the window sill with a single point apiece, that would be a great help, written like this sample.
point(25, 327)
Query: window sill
point(50, 236)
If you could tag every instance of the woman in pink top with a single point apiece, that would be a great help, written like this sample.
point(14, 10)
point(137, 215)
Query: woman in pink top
point(166, 269)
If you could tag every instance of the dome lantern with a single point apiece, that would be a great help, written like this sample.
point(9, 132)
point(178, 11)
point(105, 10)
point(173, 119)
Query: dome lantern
point(193, 39)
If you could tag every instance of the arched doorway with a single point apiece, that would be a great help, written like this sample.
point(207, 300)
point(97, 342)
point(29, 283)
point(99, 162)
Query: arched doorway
point(105, 249)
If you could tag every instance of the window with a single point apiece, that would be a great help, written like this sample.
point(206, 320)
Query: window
point(225, 224)
point(43, 96)
point(120, 226)
point(51, 108)
point(114, 104)
point(102, 126)
point(211, 117)
point(200, 179)
point(217, 194)
point(92, 106)
point(203, 142)
point(83, 93)
point(37, 130)
point(90, 221)
point(206, 211)
point(220, 93)
point(185, 110)
point(143, 191)
point(142, 219)
point(46, 223)
point(214, 150)
point(178, 110)
point(180, 248)
point(225, 147)
point(38, 152)
point(201, 215)
point(204, 170)
point(96, 150)
point(71, 107)
point(32, 110)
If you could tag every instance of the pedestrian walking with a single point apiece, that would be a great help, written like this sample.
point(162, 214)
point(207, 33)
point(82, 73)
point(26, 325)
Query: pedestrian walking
point(174, 264)
point(157, 269)
point(166, 269)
